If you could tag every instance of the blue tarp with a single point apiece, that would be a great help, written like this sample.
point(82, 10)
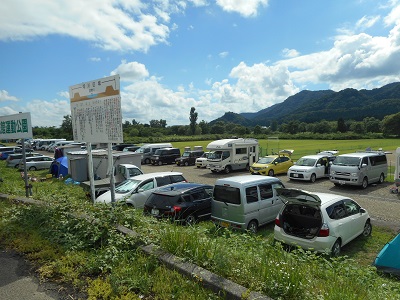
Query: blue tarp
point(388, 259)
point(60, 167)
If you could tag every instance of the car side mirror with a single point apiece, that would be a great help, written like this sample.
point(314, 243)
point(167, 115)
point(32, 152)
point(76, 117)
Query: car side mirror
point(362, 211)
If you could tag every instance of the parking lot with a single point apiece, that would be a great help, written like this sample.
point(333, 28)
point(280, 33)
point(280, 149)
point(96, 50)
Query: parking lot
point(383, 206)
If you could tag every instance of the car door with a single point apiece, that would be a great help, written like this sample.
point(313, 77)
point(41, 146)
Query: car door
point(320, 167)
point(201, 203)
point(142, 192)
point(356, 221)
point(339, 221)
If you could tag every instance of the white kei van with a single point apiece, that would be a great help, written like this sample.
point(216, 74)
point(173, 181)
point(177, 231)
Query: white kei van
point(245, 202)
point(148, 150)
point(360, 168)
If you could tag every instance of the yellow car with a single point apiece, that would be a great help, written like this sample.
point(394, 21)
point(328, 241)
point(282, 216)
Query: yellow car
point(271, 165)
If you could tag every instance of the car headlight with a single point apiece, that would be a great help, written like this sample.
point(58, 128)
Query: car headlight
point(354, 175)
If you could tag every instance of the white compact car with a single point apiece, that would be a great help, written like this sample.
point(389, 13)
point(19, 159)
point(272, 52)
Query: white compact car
point(311, 167)
point(136, 190)
point(319, 221)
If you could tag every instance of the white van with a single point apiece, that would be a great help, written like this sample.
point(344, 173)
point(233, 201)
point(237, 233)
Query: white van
point(245, 202)
point(44, 143)
point(227, 155)
point(360, 168)
point(58, 144)
point(148, 150)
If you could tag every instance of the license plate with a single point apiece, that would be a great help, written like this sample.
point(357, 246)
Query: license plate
point(224, 224)
point(342, 182)
point(155, 212)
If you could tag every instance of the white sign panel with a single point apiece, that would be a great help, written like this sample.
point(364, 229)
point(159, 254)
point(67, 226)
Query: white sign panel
point(16, 126)
point(96, 111)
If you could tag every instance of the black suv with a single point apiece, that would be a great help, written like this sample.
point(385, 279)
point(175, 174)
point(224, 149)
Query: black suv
point(165, 156)
point(189, 157)
point(181, 202)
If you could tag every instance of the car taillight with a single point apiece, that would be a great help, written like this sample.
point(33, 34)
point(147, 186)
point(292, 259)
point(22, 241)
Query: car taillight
point(177, 209)
point(278, 221)
point(324, 231)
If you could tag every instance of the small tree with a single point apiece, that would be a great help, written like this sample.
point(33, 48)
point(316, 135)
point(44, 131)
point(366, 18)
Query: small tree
point(193, 120)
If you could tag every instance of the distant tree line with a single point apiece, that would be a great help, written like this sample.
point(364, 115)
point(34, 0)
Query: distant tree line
point(134, 131)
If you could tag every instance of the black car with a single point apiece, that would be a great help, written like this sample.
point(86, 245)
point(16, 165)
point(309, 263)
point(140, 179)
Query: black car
point(165, 156)
point(189, 157)
point(181, 202)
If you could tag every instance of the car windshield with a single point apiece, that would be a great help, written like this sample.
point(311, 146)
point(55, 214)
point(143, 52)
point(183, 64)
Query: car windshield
point(186, 154)
point(215, 155)
point(127, 186)
point(266, 160)
point(306, 162)
point(347, 161)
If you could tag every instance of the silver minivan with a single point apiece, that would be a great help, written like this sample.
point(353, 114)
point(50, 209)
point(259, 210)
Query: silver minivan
point(245, 202)
point(360, 168)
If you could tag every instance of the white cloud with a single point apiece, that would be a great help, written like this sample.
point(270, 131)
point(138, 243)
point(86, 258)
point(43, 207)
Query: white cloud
point(112, 25)
point(95, 59)
point(246, 8)
point(4, 96)
point(131, 71)
point(223, 54)
point(367, 22)
point(289, 53)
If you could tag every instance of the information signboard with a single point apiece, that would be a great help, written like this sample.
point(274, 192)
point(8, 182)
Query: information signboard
point(16, 126)
point(96, 111)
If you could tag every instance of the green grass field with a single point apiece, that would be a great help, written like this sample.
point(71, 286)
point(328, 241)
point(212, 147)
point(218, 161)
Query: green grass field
point(306, 147)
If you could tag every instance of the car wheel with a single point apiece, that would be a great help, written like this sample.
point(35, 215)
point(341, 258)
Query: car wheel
point(190, 220)
point(336, 248)
point(367, 229)
point(252, 227)
point(227, 169)
point(160, 163)
point(16, 166)
point(364, 184)
point(186, 163)
point(271, 173)
point(147, 161)
point(213, 171)
point(381, 178)
point(32, 169)
point(313, 178)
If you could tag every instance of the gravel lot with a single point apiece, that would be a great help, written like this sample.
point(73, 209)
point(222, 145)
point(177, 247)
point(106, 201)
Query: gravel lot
point(383, 206)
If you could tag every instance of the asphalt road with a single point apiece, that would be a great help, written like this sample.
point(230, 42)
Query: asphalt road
point(17, 281)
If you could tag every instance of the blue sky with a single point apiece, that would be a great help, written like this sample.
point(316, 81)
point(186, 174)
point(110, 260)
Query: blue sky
point(171, 55)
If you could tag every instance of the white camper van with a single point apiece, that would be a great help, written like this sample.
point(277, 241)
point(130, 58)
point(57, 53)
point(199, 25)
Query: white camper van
point(227, 155)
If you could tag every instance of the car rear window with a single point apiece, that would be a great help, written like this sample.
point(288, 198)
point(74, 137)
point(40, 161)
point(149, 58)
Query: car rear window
point(227, 194)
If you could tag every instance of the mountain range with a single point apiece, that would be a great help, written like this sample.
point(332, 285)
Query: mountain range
point(313, 106)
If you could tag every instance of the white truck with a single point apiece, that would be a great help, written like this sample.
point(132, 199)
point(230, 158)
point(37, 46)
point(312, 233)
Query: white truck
point(227, 155)
point(121, 173)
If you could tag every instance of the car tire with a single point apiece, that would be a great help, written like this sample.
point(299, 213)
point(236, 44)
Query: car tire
point(271, 173)
point(147, 161)
point(336, 248)
point(247, 168)
point(227, 169)
point(213, 171)
point(186, 163)
point(32, 169)
point(16, 166)
point(313, 178)
point(160, 163)
point(190, 220)
point(381, 178)
point(367, 229)
point(252, 227)
point(364, 183)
